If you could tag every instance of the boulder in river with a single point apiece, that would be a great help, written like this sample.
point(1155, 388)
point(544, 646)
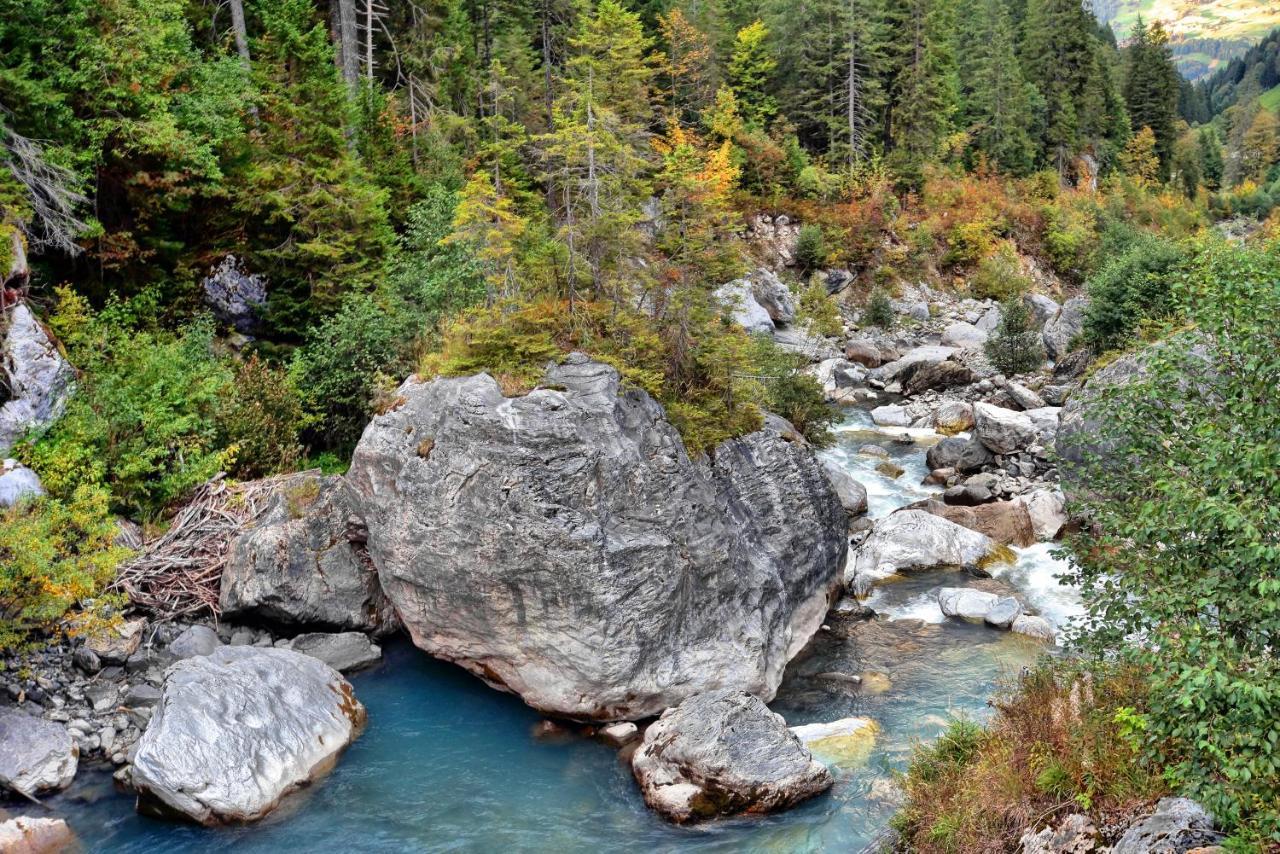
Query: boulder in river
point(303, 564)
point(28, 835)
point(35, 755)
point(853, 495)
point(237, 730)
point(911, 540)
point(563, 546)
point(724, 753)
point(913, 360)
point(1006, 522)
point(890, 415)
point(1003, 431)
point(343, 651)
point(35, 380)
point(846, 742)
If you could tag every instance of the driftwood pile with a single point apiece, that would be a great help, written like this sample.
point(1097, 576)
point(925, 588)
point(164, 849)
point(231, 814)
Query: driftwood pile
point(179, 574)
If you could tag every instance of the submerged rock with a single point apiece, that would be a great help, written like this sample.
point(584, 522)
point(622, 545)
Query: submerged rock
point(302, 564)
point(911, 540)
point(237, 730)
point(563, 546)
point(343, 651)
point(724, 753)
point(35, 755)
point(847, 742)
point(35, 380)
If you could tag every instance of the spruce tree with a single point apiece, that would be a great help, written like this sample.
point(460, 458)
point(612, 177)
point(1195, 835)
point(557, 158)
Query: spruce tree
point(1151, 90)
point(924, 94)
point(997, 100)
point(1014, 347)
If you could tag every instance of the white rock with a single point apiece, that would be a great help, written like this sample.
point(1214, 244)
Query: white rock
point(620, 734)
point(965, 602)
point(913, 539)
point(740, 302)
point(1003, 431)
point(26, 835)
point(891, 416)
point(1048, 511)
point(237, 730)
point(966, 336)
point(38, 378)
point(1035, 627)
point(18, 482)
point(35, 755)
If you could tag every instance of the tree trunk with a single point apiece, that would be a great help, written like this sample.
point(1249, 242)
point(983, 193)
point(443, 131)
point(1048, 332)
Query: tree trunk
point(238, 28)
point(347, 36)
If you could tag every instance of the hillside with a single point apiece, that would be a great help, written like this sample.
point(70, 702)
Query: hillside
point(1205, 33)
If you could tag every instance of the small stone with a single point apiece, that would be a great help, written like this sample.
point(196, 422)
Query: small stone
point(86, 660)
point(620, 734)
point(196, 640)
point(141, 695)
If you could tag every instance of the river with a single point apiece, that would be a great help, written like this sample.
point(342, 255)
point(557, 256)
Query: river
point(447, 764)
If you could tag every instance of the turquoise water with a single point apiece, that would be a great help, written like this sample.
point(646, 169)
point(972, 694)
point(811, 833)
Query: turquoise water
point(447, 764)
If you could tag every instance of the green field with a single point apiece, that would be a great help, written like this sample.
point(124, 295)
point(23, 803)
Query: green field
point(1270, 99)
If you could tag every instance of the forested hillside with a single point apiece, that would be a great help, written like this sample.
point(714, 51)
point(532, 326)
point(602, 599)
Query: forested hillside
point(231, 229)
point(1205, 34)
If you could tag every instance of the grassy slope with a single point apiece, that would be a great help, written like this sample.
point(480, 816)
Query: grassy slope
point(1225, 20)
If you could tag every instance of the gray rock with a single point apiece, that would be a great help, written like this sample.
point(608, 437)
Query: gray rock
point(620, 734)
point(798, 339)
point(773, 295)
point(86, 660)
point(1075, 834)
point(1002, 431)
point(1034, 627)
point(835, 280)
point(1023, 396)
point(912, 359)
point(141, 696)
point(1177, 825)
point(298, 567)
point(966, 603)
point(853, 495)
point(17, 482)
point(963, 335)
point(35, 755)
point(941, 375)
point(864, 352)
point(1079, 424)
point(724, 753)
point(344, 651)
point(37, 379)
point(237, 730)
point(738, 300)
point(891, 415)
point(235, 296)
point(114, 644)
point(195, 640)
point(990, 320)
point(953, 416)
point(1042, 308)
point(1062, 329)
point(1003, 612)
point(911, 540)
point(946, 453)
point(1048, 511)
point(563, 546)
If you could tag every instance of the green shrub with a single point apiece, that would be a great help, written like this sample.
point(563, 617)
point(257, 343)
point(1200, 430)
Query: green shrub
point(811, 248)
point(789, 391)
point(879, 311)
point(999, 276)
point(1182, 550)
point(53, 555)
point(1070, 238)
point(1014, 347)
point(969, 242)
point(259, 419)
point(819, 310)
point(1134, 285)
point(143, 421)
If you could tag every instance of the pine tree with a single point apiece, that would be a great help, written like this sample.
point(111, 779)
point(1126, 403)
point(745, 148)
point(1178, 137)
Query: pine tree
point(1151, 89)
point(1210, 151)
point(1014, 347)
point(924, 96)
point(997, 99)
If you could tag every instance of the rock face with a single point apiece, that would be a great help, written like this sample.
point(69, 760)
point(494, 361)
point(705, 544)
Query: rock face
point(1078, 427)
point(35, 380)
point(563, 546)
point(724, 753)
point(35, 755)
point(914, 539)
point(1063, 327)
point(1177, 825)
point(234, 295)
point(1075, 834)
point(303, 564)
point(740, 302)
point(236, 731)
point(17, 482)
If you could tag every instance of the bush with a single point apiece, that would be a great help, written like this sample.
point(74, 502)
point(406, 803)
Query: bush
point(1132, 286)
point(791, 392)
point(1182, 551)
point(259, 418)
point(999, 276)
point(53, 554)
point(969, 242)
point(1070, 237)
point(1014, 347)
point(811, 248)
point(819, 310)
point(879, 311)
point(143, 421)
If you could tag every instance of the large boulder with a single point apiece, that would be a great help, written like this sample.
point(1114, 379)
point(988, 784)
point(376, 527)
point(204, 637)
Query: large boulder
point(952, 417)
point(35, 755)
point(1006, 522)
point(1060, 330)
point(563, 545)
point(913, 360)
point(343, 651)
point(954, 452)
point(963, 335)
point(853, 495)
point(939, 375)
point(1003, 431)
point(890, 415)
point(773, 295)
point(1177, 825)
point(35, 380)
point(1047, 509)
point(237, 730)
point(739, 302)
point(1042, 308)
point(17, 482)
point(724, 753)
point(303, 564)
point(912, 540)
point(864, 352)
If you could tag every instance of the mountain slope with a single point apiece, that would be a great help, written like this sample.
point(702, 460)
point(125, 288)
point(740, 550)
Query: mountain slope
point(1205, 33)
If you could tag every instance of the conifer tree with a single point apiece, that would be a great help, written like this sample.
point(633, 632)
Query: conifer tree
point(1151, 89)
point(924, 94)
point(1210, 151)
point(687, 75)
point(997, 99)
point(750, 73)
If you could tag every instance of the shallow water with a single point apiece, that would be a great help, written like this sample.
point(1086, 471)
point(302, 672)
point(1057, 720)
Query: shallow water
point(447, 764)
